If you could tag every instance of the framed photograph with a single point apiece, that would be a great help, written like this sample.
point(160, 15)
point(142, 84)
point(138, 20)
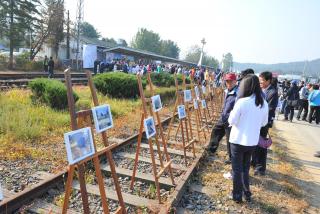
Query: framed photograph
point(79, 144)
point(196, 90)
point(203, 103)
point(149, 127)
point(195, 104)
point(102, 118)
point(204, 89)
point(187, 96)
point(181, 112)
point(1, 194)
point(156, 103)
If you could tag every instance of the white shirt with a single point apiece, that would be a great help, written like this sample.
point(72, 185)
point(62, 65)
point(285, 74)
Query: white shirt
point(246, 120)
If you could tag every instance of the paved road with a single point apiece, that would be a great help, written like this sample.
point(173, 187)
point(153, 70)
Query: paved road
point(303, 140)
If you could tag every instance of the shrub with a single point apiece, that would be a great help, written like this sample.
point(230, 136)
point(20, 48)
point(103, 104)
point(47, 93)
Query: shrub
point(118, 85)
point(50, 92)
point(167, 94)
point(162, 79)
point(179, 77)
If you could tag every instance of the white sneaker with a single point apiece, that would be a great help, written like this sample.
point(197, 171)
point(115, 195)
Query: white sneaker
point(227, 175)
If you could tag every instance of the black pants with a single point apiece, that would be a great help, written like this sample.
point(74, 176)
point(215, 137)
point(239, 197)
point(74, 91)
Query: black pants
point(241, 156)
point(45, 67)
point(259, 156)
point(316, 111)
point(303, 106)
point(289, 109)
point(218, 132)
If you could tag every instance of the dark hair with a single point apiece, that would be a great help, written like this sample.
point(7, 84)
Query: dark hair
point(274, 82)
point(267, 75)
point(250, 85)
point(315, 87)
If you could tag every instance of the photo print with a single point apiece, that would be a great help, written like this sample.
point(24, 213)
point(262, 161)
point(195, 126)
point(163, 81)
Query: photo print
point(79, 144)
point(149, 127)
point(203, 103)
point(102, 118)
point(187, 96)
point(156, 103)
point(195, 104)
point(181, 112)
point(196, 90)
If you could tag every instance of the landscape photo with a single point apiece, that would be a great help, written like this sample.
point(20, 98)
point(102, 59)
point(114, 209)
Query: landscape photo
point(156, 103)
point(149, 127)
point(102, 118)
point(181, 112)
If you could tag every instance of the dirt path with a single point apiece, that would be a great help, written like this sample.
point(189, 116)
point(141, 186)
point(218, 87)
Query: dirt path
point(303, 140)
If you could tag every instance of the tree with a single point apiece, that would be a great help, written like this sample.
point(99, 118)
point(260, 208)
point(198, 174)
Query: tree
point(17, 17)
point(122, 43)
point(169, 49)
point(193, 55)
point(109, 42)
point(88, 30)
point(227, 62)
point(147, 40)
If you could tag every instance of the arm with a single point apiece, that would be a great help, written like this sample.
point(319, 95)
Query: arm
point(265, 115)
point(235, 114)
point(273, 100)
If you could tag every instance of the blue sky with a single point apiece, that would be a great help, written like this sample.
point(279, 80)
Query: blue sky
point(257, 31)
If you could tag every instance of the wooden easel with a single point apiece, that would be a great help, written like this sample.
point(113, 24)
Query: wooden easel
point(83, 119)
point(164, 166)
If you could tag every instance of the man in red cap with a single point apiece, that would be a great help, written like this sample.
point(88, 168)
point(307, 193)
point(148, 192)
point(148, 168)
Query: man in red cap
point(222, 128)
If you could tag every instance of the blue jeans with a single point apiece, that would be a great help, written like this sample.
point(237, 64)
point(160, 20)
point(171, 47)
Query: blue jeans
point(241, 156)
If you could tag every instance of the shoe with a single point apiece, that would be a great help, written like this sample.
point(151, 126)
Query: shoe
point(291, 120)
point(317, 155)
point(298, 118)
point(247, 196)
point(227, 162)
point(285, 119)
point(258, 172)
point(304, 119)
point(213, 149)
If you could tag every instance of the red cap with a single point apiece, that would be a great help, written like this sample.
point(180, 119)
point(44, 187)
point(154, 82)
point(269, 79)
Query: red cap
point(230, 76)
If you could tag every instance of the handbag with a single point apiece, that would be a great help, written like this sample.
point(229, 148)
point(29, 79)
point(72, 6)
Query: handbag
point(265, 142)
point(292, 103)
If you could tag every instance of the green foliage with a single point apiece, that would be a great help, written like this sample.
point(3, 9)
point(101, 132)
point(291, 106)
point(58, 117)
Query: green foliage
point(88, 30)
point(227, 62)
point(194, 53)
point(169, 48)
point(50, 92)
point(21, 120)
point(161, 79)
point(118, 85)
point(166, 94)
point(179, 78)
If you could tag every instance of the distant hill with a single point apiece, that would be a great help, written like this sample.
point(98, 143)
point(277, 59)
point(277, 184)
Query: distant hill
point(312, 67)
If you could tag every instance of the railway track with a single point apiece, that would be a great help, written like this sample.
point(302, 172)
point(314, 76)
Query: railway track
point(15, 79)
point(36, 199)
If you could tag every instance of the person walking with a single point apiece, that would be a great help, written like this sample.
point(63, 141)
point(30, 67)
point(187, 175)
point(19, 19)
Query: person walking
point(45, 64)
point(314, 99)
point(270, 94)
point(222, 128)
point(292, 97)
point(249, 114)
point(51, 67)
point(303, 102)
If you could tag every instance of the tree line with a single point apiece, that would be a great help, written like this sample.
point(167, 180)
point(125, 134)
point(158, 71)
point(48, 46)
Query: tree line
point(33, 23)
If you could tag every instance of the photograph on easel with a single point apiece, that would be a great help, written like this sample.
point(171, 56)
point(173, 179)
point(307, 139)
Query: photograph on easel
point(187, 96)
point(203, 103)
point(203, 89)
point(196, 90)
point(181, 112)
point(79, 144)
point(1, 194)
point(156, 103)
point(149, 127)
point(102, 118)
point(195, 104)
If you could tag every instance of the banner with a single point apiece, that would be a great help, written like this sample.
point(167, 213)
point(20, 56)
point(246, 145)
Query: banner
point(89, 55)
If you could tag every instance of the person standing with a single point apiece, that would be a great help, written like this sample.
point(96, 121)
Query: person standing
point(45, 64)
point(222, 128)
point(270, 93)
point(249, 114)
point(292, 97)
point(314, 99)
point(51, 67)
point(303, 102)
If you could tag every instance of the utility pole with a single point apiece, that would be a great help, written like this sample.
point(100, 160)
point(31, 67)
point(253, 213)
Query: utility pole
point(203, 41)
point(68, 36)
point(79, 21)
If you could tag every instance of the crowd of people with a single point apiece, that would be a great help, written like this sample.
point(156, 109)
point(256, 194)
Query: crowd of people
point(248, 113)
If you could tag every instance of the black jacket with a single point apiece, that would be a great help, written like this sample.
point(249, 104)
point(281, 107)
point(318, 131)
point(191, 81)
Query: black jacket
point(271, 96)
point(293, 93)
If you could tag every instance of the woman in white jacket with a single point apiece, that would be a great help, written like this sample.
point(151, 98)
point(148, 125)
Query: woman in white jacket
point(249, 114)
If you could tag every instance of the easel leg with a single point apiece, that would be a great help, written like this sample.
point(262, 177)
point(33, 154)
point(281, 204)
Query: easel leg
point(68, 188)
point(183, 143)
point(104, 200)
point(83, 189)
point(154, 169)
point(137, 152)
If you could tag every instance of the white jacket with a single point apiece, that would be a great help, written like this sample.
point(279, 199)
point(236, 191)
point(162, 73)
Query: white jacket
point(246, 120)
